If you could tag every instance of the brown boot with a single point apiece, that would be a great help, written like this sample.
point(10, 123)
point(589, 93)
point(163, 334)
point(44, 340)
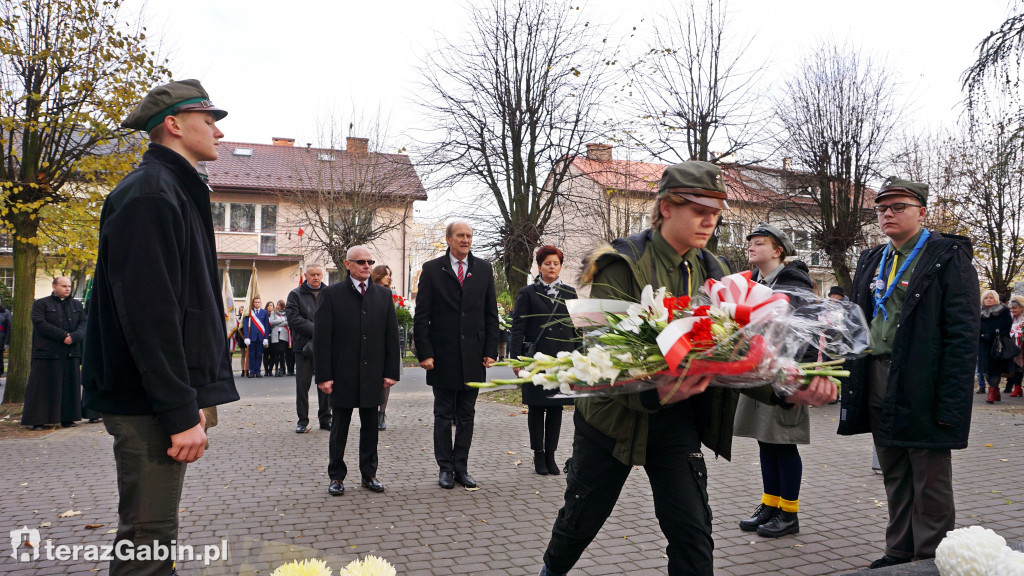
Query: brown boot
point(1017, 392)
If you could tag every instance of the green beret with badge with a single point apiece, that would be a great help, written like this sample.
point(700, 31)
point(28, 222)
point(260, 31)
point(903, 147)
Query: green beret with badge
point(695, 181)
point(894, 186)
point(766, 229)
point(170, 99)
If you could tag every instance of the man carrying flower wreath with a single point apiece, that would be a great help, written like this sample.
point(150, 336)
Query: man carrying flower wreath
point(662, 428)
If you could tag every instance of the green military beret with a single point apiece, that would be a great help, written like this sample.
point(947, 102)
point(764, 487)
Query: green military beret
point(696, 181)
point(168, 100)
point(894, 186)
point(765, 229)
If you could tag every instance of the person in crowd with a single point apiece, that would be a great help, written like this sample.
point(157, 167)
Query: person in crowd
point(269, 352)
point(355, 343)
point(240, 342)
point(54, 391)
point(778, 431)
point(995, 322)
point(156, 347)
point(301, 306)
point(5, 333)
point(913, 391)
point(287, 359)
point(662, 428)
point(1016, 369)
point(540, 323)
point(836, 293)
point(381, 275)
point(278, 340)
point(456, 332)
point(256, 330)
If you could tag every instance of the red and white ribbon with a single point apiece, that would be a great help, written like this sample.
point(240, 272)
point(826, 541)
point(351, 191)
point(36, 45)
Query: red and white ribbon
point(674, 342)
point(744, 300)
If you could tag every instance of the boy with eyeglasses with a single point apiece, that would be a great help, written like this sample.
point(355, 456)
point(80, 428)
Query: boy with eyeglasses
point(913, 392)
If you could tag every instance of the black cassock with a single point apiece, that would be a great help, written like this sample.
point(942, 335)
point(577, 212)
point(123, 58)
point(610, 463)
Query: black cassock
point(54, 392)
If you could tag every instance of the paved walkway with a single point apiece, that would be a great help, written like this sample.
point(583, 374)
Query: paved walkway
point(263, 488)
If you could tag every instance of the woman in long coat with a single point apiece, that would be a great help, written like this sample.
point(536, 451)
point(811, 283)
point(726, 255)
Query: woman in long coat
point(995, 319)
point(777, 430)
point(540, 317)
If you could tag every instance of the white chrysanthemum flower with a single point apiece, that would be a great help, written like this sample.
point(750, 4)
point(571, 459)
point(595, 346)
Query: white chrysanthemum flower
point(1009, 563)
point(968, 551)
point(369, 566)
point(310, 567)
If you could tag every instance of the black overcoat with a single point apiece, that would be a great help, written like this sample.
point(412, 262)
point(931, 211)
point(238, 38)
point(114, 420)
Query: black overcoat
point(355, 343)
point(998, 320)
point(456, 325)
point(54, 391)
point(934, 352)
point(532, 312)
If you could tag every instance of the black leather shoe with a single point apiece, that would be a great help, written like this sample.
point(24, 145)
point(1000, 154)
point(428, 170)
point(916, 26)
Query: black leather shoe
point(336, 488)
point(762, 514)
point(446, 480)
point(549, 460)
point(465, 479)
point(94, 420)
point(301, 429)
point(250, 376)
point(782, 523)
point(887, 560)
point(68, 424)
point(325, 425)
point(38, 427)
point(538, 463)
point(259, 375)
point(381, 425)
point(373, 484)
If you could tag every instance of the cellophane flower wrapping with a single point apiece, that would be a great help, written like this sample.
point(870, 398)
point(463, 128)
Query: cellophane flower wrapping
point(741, 333)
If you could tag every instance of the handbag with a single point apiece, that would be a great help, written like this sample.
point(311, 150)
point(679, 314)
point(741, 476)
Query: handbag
point(530, 348)
point(1004, 347)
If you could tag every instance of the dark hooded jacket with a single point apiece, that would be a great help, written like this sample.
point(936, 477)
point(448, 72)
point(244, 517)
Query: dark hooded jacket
point(928, 398)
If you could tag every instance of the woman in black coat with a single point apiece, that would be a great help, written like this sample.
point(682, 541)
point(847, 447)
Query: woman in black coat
point(995, 318)
point(540, 317)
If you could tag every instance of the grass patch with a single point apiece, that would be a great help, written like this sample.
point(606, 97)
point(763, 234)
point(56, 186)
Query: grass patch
point(511, 396)
point(10, 423)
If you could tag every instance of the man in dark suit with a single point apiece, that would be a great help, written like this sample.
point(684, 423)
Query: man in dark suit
point(302, 303)
point(355, 351)
point(456, 331)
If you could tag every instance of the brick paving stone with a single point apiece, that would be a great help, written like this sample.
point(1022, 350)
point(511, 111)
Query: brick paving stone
point(283, 512)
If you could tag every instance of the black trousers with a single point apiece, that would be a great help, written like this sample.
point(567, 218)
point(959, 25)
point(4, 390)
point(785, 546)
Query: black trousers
point(678, 476)
point(336, 468)
point(149, 484)
point(456, 407)
point(545, 424)
point(289, 357)
point(303, 380)
point(918, 484)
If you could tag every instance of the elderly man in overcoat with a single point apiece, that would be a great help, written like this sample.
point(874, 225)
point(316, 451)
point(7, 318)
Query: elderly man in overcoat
point(54, 392)
point(355, 348)
point(456, 332)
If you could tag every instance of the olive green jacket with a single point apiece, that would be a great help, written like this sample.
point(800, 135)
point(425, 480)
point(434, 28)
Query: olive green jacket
point(620, 271)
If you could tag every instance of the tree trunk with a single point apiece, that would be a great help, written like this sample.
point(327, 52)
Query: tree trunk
point(26, 255)
point(517, 268)
point(841, 268)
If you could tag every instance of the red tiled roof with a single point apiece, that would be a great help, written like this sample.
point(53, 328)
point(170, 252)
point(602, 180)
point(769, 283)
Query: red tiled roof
point(284, 168)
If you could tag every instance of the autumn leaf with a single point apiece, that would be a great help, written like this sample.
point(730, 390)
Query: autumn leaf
point(70, 513)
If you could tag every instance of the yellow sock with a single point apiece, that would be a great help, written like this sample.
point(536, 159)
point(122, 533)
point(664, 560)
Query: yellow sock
point(769, 500)
point(789, 505)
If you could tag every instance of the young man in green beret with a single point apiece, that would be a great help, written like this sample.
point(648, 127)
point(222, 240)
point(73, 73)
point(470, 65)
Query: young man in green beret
point(156, 347)
point(661, 429)
point(913, 392)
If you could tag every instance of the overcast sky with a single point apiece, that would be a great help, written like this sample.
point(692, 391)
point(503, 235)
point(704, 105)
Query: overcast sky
point(282, 68)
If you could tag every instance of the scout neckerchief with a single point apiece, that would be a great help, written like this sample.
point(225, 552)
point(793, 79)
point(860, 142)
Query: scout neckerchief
point(254, 321)
point(894, 275)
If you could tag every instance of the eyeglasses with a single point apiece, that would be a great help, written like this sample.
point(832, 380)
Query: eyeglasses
point(363, 262)
point(897, 207)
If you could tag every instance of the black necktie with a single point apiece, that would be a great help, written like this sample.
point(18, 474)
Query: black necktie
point(684, 268)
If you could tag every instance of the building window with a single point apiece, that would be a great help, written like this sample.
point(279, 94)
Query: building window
point(731, 233)
point(802, 240)
point(638, 223)
point(218, 210)
point(239, 281)
point(7, 278)
point(6, 245)
point(243, 217)
point(268, 229)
